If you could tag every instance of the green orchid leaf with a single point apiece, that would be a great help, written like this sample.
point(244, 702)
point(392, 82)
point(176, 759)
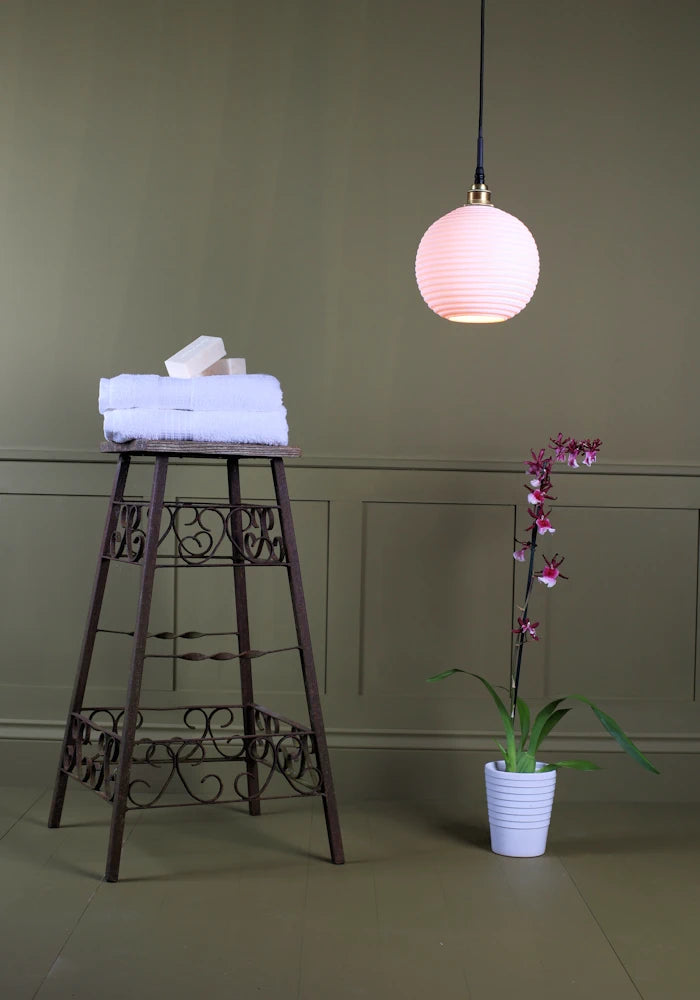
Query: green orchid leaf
point(618, 734)
point(511, 752)
point(548, 726)
point(526, 763)
point(446, 673)
point(524, 716)
point(577, 765)
point(540, 721)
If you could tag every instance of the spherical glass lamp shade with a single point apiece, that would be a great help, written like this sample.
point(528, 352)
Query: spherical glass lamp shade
point(477, 264)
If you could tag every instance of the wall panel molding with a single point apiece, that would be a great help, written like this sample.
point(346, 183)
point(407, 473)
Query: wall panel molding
point(396, 739)
point(347, 509)
point(92, 456)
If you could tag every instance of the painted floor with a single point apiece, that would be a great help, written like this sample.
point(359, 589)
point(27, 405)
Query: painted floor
point(214, 903)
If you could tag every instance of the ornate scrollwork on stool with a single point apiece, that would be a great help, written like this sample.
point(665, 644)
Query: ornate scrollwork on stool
point(128, 539)
point(261, 545)
point(91, 754)
point(199, 529)
point(178, 763)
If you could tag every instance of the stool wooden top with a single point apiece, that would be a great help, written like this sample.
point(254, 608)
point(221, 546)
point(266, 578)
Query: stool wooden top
point(204, 449)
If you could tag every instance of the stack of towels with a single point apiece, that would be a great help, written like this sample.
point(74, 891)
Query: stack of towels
point(245, 409)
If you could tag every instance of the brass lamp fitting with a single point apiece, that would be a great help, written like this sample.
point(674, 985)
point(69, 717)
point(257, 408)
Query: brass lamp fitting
point(478, 194)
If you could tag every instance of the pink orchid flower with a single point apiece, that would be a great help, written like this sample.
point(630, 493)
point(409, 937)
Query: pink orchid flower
point(550, 574)
point(519, 554)
point(537, 465)
point(590, 451)
point(526, 627)
point(573, 449)
point(559, 444)
point(544, 524)
point(540, 520)
point(537, 496)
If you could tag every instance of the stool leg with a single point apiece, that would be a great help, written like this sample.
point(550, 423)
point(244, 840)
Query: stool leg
point(128, 734)
point(307, 661)
point(242, 627)
point(95, 607)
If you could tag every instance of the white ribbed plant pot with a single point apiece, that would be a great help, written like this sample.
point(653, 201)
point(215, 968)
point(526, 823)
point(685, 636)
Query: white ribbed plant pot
point(519, 807)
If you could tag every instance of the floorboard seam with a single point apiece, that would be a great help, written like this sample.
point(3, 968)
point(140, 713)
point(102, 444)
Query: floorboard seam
point(98, 886)
point(72, 932)
point(300, 975)
point(375, 894)
point(601, 928)
point(453, 929)
point(29, 807)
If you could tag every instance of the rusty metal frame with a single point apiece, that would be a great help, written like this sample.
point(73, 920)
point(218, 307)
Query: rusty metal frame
point(101, 746)
point(207, 735)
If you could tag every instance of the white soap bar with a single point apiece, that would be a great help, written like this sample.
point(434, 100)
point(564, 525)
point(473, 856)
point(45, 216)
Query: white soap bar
point(193, 359)
point(227, 366)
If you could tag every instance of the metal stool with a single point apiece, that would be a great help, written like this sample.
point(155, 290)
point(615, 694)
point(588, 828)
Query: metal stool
point(101, 745)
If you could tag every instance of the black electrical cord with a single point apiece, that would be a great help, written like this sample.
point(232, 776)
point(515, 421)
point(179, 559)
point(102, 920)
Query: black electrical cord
point(479, 176)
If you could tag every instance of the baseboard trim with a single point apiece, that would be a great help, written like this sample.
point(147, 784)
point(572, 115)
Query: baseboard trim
point(51, 731)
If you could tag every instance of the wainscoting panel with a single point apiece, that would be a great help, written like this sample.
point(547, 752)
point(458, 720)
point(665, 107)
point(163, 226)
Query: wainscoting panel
point(49, 549)
point(623, 624)
point(437, 594)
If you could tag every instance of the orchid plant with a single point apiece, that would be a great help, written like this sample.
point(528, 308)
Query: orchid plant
point(521, 748)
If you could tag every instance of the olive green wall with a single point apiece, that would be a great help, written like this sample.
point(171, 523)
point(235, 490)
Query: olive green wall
point(264, 172)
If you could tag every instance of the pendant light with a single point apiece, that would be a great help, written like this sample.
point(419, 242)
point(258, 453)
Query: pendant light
point(477, 264)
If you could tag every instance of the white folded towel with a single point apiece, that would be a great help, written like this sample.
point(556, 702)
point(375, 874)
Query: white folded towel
point(239, 426)
point(210, 392)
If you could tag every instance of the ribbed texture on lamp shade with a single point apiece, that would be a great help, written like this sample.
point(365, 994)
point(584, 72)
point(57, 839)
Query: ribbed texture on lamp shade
point(477, 265)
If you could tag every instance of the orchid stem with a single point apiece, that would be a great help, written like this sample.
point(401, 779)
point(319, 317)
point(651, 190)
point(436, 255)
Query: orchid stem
point(515, 678)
